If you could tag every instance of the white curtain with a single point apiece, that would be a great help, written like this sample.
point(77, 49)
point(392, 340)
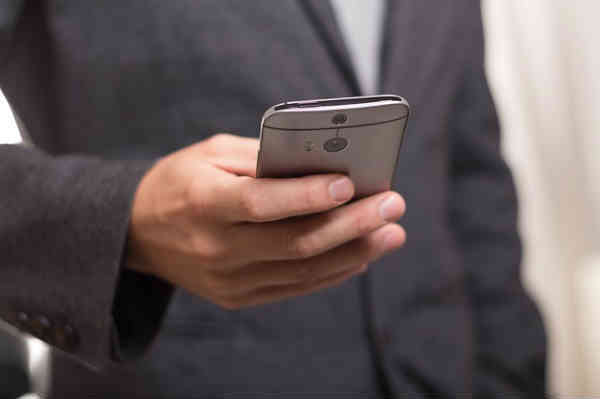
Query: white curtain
point(543, 60)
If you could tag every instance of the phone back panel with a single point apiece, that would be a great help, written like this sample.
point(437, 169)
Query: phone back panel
point(370, 147)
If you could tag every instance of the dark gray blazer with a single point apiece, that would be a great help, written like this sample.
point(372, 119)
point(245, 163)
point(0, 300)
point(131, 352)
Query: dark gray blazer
point(103, 88)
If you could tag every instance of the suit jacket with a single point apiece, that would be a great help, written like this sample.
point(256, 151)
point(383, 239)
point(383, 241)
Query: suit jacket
point(102, 89)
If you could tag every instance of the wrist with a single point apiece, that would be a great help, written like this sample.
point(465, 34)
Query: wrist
point(134, 258)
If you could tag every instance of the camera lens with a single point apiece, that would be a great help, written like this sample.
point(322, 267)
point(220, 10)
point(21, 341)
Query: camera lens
point(335, 144)
point(338, 119)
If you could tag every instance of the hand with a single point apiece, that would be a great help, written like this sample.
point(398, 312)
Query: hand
point(202, 221)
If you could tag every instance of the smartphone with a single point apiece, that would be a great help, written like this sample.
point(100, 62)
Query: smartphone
point(360, 137)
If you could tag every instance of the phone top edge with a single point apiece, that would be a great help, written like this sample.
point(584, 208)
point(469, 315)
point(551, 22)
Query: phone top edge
point(366, 101)
point(320, 102)
point(286, 112)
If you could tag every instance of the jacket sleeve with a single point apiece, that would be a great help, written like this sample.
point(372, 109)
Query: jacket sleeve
point(63, 233)
point(510, 343)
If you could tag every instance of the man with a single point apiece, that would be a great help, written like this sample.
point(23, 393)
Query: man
point(118, 231)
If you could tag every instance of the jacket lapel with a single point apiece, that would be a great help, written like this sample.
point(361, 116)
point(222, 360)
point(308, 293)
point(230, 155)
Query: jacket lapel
point(321, 15)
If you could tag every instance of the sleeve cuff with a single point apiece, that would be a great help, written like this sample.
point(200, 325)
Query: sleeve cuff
point(139, 306)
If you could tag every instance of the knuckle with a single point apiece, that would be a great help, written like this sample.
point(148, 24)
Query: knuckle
point(302, 247)
point(195, 198)
point(252, 205)
point(192, 194)
point(214, 143)
point(363, 223)
point(219, 138)
point(208, 251)
point(311, 196)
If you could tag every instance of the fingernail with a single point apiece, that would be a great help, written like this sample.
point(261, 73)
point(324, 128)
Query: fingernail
point(341, 189)
point(391, 208)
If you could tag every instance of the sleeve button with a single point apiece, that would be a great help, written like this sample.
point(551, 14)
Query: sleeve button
point(66, 338)
point(44, 322)
point(22, 318)
point(40, 327)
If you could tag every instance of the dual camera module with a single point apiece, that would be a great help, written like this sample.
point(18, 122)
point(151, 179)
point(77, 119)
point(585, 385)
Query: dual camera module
point(337, 143)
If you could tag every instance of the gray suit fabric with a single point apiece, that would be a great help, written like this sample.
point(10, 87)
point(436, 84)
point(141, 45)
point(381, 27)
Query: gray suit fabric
point(104, 88)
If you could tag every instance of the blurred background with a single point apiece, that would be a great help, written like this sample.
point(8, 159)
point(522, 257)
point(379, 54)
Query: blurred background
point(542, 61)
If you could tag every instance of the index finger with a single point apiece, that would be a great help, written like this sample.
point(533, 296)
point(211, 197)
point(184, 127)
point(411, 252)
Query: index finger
point(225, 145)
